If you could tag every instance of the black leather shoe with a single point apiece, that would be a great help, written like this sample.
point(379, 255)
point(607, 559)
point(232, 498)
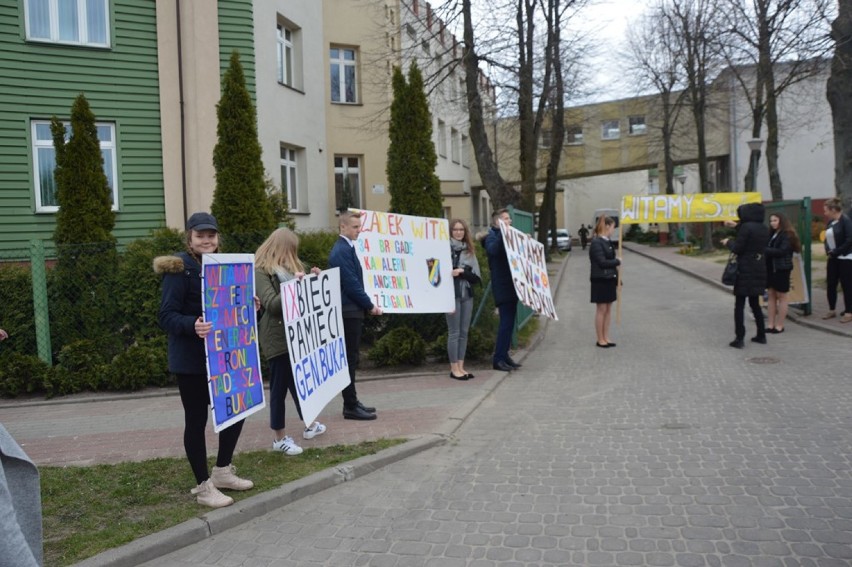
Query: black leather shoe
point(470, 376)
point(738, 343)
point(357, 413)
point(462, 377)
point(367, 409)
point(502, 366)
point(759, 339)
point(513, 364)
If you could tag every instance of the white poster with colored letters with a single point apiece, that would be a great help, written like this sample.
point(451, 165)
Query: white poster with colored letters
point(406, 262)
point(528, 264)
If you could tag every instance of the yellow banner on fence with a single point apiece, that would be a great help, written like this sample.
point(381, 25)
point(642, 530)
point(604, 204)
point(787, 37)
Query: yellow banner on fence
point(695, 207)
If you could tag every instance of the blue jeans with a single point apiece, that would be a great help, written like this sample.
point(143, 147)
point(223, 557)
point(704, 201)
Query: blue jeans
point(507, 313)
point(458, 324)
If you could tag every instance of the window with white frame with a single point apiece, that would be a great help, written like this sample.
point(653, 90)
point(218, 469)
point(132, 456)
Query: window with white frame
point(344, 86)
point(44, 163)
point(284, 39)
point(465, 148)
point(290, 177)
point(442, 138)
point(76, 22)
point(409, 29)
point(347, 182)
point(455, 150)
point(610, 130)
point(636, 125)
point(574, 135)
point(545, 139)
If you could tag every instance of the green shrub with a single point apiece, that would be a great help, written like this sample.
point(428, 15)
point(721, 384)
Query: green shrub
point(138, 287)
point(139, 366)
point(16, 297)
point(400, 346)
point(20, 374)
point(82, 366)
point(315, 246)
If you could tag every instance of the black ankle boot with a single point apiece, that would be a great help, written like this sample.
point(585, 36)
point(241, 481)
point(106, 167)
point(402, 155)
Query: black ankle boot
point(737, 343)
point(759, 339)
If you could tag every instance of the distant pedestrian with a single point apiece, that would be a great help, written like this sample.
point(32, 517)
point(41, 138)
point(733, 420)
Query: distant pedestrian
point(838, 248)
point(180, 316)
point(604, 278)
point(783, 242)
point(749, 246)
point(465, 275)
point(503, 289)
point(277, 261)
point(355, 303)
point(584, 235)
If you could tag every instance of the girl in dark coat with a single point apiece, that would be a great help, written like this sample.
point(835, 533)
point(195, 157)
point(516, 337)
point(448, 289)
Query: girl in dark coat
point(749, 247)
point(180, 316)
point(783, 241)
point(604, 277)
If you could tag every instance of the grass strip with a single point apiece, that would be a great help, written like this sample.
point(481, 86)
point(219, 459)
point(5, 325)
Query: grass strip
point(87, 510)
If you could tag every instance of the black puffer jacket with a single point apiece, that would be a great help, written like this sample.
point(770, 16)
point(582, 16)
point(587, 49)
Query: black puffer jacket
point(749, 246)
point(603, 260)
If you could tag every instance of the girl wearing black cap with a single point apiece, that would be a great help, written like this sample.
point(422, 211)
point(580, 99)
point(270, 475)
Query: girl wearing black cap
point(180, 317)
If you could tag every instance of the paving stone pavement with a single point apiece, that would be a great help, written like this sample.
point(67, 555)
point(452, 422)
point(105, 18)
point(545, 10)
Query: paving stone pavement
point(670, 449)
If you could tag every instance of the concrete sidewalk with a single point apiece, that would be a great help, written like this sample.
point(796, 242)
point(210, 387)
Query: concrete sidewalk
point(710, 272)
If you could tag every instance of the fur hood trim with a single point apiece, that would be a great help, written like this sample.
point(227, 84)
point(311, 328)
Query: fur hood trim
point(168, 265)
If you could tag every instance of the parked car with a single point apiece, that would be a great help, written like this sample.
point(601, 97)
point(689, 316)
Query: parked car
point(563, 239)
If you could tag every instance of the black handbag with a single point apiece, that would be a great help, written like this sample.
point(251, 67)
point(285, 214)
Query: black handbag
point(729, 276)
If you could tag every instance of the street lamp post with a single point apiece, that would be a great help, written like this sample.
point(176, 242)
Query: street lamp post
point(754, 145)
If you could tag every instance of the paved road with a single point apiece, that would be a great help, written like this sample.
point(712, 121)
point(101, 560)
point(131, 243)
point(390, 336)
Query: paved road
point(670, 449)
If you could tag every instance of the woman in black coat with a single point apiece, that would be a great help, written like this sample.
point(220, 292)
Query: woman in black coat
point(604, 277)
point(783, 241)
point(749, 247)
point(838, 249)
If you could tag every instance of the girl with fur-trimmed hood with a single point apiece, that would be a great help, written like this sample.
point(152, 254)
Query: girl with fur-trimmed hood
point(180, 316)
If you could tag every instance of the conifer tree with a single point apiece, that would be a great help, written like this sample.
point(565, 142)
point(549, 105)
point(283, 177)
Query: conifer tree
point(81, 286)
point(413, 186)
point(240, 203)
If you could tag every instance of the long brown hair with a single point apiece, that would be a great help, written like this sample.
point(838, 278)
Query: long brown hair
point(785, 226)
point(603, 222)
point(468, 239)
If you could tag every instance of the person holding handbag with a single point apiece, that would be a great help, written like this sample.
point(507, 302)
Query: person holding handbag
point(275, 262)
point(604, 278)
point(783, 242)
point(749, 247)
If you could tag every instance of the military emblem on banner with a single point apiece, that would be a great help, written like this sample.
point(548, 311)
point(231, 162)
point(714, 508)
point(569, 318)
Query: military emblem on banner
point(434, 266)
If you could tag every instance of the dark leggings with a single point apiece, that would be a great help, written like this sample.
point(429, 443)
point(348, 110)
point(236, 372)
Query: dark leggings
point(838, 271)
point(196, 403)
point(280, 381)
point(739, 318)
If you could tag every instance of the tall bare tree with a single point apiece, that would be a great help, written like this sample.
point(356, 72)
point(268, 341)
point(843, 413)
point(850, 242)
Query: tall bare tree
point(771, 45)
point(654, 53)
point(839, 92)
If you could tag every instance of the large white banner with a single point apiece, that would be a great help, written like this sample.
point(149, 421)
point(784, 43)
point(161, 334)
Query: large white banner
point(406, 262)
point(314, 327)
point(529, 270)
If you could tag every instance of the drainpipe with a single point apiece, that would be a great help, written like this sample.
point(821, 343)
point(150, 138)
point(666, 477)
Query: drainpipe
point(734, 173)
point(182, 119)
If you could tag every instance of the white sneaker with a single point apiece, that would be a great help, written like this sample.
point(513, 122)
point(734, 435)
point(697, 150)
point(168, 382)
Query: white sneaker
point(287, 446)
point(315, 429)
point(226, 477)
point(207, 494)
